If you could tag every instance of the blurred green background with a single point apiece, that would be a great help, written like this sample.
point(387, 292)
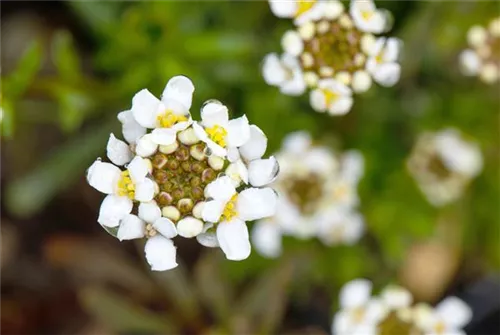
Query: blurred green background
point(69, 67)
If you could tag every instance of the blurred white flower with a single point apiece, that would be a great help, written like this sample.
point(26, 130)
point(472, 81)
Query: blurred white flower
point(482, 58)
point(367, 17)
point(284, 73)
point(331, 96)
point(443, 164)
point(449, 317)
point(382, 63)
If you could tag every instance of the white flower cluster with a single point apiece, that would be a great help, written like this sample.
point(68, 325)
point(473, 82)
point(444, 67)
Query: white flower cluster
point(482, 58)
point(332, 52)
point(443, 164)
point(194, 179)
point(392, 312)
point(317, 197)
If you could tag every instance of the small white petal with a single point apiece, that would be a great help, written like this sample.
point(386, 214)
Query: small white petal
point(256, 203)
point(149, 211)
point(262, 171)
point(212, 210)
point(352, 166)
point(163, 136)
point(233, 239)
point(361, 81)
point(454, 312)
point(165, 227)
point(103, 176)
point(131, 227)
point(118, 151)
point(214, 113)
point(145, 190)
point(189, 227)
point(256, 146)
point(396, 297)
point(297, 142)
point(333, 9)
point(208, 238)
point(238, 132)
point(220, 189)
point(392, 48)
point(132, 131)
point(179, 88)
point(238, 172)
point(138, 169)
point(233, 154)
point(146, 146)
point(144, 108)
point(283, 9)
point(292, 43)
point(188, 137)
point(273, 71)
point(477, 36)
point(355, 293)
point(317, 100)
point(113, 210)
point(160, 253)
point(266, 238)
point(387, 74)
point(341, 106)
point(470, 63)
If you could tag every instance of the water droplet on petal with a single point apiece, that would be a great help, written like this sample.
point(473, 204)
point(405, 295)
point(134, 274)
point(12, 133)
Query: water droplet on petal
point(211, 101)
point(207, 151)
point(99, 159)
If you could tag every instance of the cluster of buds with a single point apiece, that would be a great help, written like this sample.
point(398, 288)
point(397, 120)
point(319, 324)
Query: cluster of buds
point(393, 312)
point(318, 197)
point(482, 58)
point(443, 164)
point(333, 52)
point(181, 177)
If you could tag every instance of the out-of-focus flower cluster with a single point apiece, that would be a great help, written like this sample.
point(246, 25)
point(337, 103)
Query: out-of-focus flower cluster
point(443, 164)
point(482, 58)
point(333, 52)
point(200, 179)
point(317, 196)
point(393, 312)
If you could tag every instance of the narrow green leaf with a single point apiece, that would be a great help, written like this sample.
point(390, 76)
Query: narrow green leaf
point(18, 81)
point(65, 56)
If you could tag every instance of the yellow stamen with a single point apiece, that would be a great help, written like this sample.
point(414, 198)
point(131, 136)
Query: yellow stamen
point(440, 327)
point(358, 314)
point(303, 6)
point(168, 119)
point(217, 134)
point(229, 211)
point(367, 14)
point(330, 97)
point(125, 185)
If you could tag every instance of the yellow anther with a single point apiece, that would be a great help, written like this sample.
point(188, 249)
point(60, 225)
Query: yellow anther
point(217, 134)
point(168, 119)
point(367, 14)
point(229, 211)
point(330, 97)
point(440, 328)
point(303, 6)
point(125, 185)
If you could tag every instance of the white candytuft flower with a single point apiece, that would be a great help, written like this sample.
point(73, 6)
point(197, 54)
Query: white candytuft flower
point(443, 164)
point(318, 196)
point(482, 58)
point(393, 312)
point(172, 175)
point(332, 52)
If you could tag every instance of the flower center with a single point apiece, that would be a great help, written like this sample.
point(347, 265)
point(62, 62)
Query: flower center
point(334, 47)
point(303, 6)
point(439, 328)
point(125, 185)
point(358, 314)
point(437, 167)
point(367, 14)
point(330, 97)
point(217, 134)
point(182, 176)
point(229, 211)
point(393, 324)
point(168, 119)
point(305, 192)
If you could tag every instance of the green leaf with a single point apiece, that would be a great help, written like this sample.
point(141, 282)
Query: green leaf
point(122, 315)
point(65, 57)
point(18, 81)
point(7, 118)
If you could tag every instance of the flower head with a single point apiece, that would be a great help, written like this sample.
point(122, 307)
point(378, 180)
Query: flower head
point(330, 47)
point(483, 55)
point(171, 175)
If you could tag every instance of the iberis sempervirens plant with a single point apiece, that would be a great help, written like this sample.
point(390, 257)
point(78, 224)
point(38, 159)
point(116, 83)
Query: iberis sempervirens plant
point(443, 164)
point(333, 52)
point(393, 312)
point(175, 176)
point(482, 58)
point(317, 197)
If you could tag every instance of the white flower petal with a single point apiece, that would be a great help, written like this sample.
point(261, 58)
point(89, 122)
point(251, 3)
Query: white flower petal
point(233, 154)
point(283, 9)
point(266, 238)
point(392, 48)
point(262, 171)
point(355, 293)
point(149, 211)
point(470, 63)
point(208, 238)
point(273, 71)
point(387, 74)
point(238, 132)
point(352, 166)
point(212, 210)
point(146, 146)
point(361, 81)
point(165, 227)
point(132, 131)
point(160, 253)
point(454, 312)
point(103, 176)
point(256, 146)
point(256, 203)
point(220, 189)
point(214, 113)
point(292, 43)
point(341, 106)
point(179, 88)
point(163, 136)
point(189, 227)
point(297, 142)
point(118, 151)
point(138, 169)
point(374, 22)
point(144, 108)
point(396, 297)
point(113, 210)
point(317, 100)
point(238, 172)
point(131, 227)
point(145, 190)
point(233, 239)
point(354, 229)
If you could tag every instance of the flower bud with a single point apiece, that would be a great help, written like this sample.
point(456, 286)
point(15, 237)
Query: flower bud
point(188, 136)
point(171, 212)
point(216, 163)
point(159, 160)
point(197, 151)
point(198, 209)
point(185, 205)
point(168, 149)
